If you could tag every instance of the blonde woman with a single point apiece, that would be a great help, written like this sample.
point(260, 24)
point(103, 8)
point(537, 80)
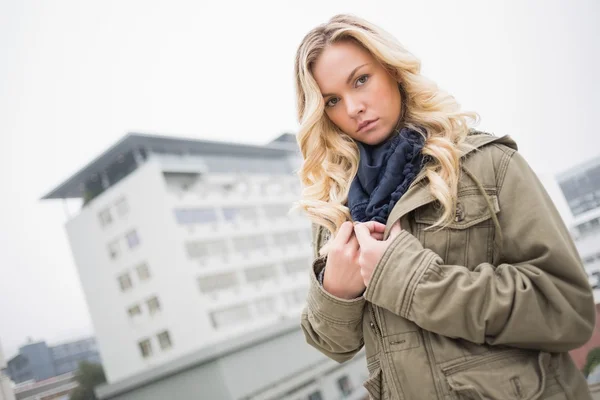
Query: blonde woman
point(436, 247)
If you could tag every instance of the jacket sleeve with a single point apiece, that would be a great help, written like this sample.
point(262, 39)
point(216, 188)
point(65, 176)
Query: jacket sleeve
point(330, 324)
point(538, 297)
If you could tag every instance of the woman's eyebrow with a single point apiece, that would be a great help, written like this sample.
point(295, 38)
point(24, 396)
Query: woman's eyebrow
point(354, 72)
point(349, 77)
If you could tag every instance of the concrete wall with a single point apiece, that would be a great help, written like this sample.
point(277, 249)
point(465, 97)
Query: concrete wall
point(203, 382)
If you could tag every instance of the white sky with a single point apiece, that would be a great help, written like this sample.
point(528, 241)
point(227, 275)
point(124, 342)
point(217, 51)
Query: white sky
point(75, 76)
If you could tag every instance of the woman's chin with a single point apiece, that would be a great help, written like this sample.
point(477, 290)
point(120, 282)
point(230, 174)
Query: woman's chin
point(374, 138)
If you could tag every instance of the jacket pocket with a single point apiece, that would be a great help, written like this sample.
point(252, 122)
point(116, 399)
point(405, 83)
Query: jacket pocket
point(375, 384)
point(468, 240)
point(512, 374)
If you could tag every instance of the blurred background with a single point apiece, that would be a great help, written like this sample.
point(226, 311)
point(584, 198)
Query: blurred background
point(147, 161)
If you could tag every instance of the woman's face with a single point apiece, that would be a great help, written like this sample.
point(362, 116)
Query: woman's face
point(361, 97)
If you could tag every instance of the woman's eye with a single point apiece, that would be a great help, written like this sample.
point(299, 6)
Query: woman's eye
point(332, 102)
point(362, 80)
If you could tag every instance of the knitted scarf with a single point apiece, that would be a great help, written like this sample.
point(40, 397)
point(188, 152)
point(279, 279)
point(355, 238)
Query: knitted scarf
point(385, 172)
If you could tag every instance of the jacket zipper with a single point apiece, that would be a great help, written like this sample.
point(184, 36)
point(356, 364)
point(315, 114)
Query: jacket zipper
point(375, 326)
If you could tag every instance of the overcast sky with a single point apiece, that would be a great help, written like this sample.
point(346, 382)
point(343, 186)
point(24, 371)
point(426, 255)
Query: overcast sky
point(75, 76)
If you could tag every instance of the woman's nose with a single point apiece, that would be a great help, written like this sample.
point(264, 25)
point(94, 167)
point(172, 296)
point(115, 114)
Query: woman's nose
point(354, 107)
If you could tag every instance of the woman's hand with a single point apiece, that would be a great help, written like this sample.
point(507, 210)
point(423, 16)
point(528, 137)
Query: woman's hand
point(342, 271)
point(371, 248)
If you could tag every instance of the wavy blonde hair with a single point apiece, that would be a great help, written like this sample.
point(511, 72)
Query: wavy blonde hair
point(331, 157)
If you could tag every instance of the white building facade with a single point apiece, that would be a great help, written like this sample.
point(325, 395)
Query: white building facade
point(182, 244)
point(580, 187)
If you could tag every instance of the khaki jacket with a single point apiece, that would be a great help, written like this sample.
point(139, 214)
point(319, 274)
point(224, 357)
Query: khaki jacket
point(486, 308)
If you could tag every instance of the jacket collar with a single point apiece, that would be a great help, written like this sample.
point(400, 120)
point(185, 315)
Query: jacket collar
point(418, 194)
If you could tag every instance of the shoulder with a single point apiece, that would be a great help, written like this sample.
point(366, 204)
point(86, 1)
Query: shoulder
point(487, 156)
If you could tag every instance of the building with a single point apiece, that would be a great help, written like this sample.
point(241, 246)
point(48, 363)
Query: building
point(6, 386)
point(56, 388)
point(581, 188)
point(37, 361)
point(183, 244)
point(579, 194)
point(273, 363)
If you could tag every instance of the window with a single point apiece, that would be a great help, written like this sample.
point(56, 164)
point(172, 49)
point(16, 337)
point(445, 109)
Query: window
point(204, 249)
point(589, 227)
point(143, 272)
point(133, 239)
point(230, 316)
point(209, 284)
point(237, 214)
point(164, 340)
point(113, 249)
point(124, 282)
point(315, 396)
point(134, 311)
point(185, 216)
point(344, 385)
point(246, 244)
point(588, 260)
point(122, 207)
point(261, 274)
point(145, 348)
point(153, 305)
point(105, 217)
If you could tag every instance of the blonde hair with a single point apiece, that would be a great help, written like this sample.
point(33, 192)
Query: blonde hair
point(331, 157)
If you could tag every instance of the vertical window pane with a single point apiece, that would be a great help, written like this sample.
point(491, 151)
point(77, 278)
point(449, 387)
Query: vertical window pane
point(315, 396)
point(113, 250)
point(344, 385)
point(164, 340)
point(145, 348)
point(153, 305)
point(134, 311)
point(124, 282)
point(133, 239)
point(143, 272)
point(105, 217)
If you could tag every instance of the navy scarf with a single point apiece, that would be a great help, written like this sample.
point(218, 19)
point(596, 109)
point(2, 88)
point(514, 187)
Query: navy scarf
point(385, 172)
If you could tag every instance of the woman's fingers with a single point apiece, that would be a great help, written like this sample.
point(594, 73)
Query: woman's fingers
point(374, 226)
point(344, 234)
point(377, 236)
point(353, 244)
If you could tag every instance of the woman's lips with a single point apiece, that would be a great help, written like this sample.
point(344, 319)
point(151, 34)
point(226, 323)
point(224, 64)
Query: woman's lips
point(369, 125)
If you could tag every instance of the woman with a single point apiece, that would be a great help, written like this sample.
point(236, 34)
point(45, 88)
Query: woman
point(447, 260)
